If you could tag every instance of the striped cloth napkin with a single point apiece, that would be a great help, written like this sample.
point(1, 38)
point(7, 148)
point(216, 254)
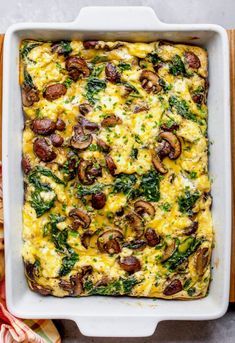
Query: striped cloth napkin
point(12, 329)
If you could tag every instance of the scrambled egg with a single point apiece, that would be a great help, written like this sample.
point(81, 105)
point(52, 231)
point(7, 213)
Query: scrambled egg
point(115, 161)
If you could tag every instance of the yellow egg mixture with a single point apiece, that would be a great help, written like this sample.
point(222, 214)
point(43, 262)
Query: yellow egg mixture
point(115, 161)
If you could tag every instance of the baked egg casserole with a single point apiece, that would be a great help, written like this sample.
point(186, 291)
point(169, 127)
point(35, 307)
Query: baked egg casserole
point(115, 161)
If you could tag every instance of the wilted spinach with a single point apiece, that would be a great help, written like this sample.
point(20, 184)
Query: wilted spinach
point(181, 107)
point(93, 87)
point(187, 201)
point(180, 255)
point(119, 287)
point(177, 66)
point(150, 186)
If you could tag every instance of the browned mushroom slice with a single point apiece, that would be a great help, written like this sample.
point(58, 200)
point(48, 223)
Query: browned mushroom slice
point(169, 251)
point(43, 150)
point(158, 164)
point(76, 66)
point(135, 244)
point(85, 108)
point(74, 286)
point(110, 164)
point(193, 60)
point(43, 126)
point(88, 125)
point(98, 200)
point(198, 98)
point(26, 164)
point(191, 229)
point(39, 289)
point(149, 81)
point(54, 91)
point(90, 44)
point(112, 74)
point(174, 141)
point(136, 223)
point(109, 240)
point(175, 286)
point(29, 95)
point(142, 207)
point(60, 125)
point(87, 173)
point(82, 218)
point(163, 149)
point(152, 237)
point(56, 140)
point(79, 140)
point(202, 260)
point(111, 121)
point(85, 238)
point(140, 107)
point(104, 146)
point(130, 264)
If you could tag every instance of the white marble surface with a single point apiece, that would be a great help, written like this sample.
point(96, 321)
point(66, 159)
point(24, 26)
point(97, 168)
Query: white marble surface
point(175, 11)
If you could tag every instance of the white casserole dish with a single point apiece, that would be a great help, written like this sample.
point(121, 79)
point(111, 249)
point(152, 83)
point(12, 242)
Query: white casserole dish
point(120, 316)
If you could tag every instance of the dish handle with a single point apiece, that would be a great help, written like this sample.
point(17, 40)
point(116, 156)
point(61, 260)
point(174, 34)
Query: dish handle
point(129, 17)
point(125, 326)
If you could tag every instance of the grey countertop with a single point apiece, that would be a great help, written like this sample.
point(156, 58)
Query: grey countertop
point(172, 11)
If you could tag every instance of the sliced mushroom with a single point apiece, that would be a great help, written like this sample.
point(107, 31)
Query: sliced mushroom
point(88, 125)
point(157, 163)
point(26, 164)
point(135, 244)
point(60, 125)
point(104, 146)
point(109, 240)
point(110, 164)
point(130, 264)
point(90, 44)
point(175, 286)
point(120, 212)
point(39, 289)
point(152, 237)
point(140, 107)
point(98, 200)
point(202, 260)
point(111, 121)
point(54, 91)
point(174, 141)
point(191, 229)
point(43, 126)
point(193, 60)
point(142, 207)
point(198, 98)
point(80, 140)
point(81, 218)
point(87, 173)
point(29, 95)
point(85, 238)
point(149, 81)
point(169, 251)
point(76, 66)
point(43, 150)
point(56, 140)
point(85, 108)
point(136, 223)
point(112, 74)
point(163, 149)
point(75, 283)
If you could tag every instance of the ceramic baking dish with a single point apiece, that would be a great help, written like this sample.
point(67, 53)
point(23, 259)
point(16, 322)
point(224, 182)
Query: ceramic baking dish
point(120, 316)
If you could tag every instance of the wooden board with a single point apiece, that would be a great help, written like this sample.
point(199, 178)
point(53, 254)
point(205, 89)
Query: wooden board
point(231, 34)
